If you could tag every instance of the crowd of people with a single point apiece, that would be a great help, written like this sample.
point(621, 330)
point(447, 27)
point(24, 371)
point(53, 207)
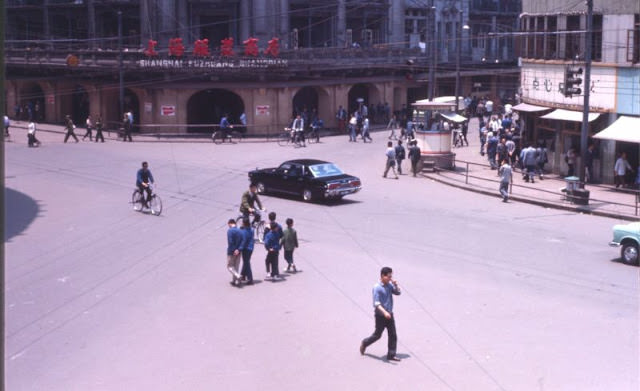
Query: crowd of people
point(241, 242)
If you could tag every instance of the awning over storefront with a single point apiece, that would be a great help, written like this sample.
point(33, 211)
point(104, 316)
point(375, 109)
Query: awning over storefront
point(623, 129)
point(569, 115)
point(454, 117)
point(529, 108)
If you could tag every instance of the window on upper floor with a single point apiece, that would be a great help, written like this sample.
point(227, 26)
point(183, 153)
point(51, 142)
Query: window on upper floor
point(633, 41)
point(573, 40)
point(596, 41)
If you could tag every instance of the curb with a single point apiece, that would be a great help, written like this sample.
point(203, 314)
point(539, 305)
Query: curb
point(547, 204)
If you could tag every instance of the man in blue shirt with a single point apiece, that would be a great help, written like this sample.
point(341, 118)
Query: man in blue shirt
point(143, 179)
point(383, 306)
point(234, 245)
point(272, 245)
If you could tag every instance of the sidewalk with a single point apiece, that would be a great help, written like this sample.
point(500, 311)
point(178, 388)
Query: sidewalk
point(472, 172)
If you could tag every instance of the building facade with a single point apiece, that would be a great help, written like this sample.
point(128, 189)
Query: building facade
point(553, 35)
point(180, 65)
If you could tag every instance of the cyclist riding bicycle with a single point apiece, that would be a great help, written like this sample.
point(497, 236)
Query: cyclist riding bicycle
point(248, 201)
point(143, 179)
point(225, 126)
point(298, 130)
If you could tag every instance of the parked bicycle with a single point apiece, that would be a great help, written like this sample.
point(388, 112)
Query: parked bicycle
point(138, 199)
point(313, 135)
point(231, 136)
point(258, 226)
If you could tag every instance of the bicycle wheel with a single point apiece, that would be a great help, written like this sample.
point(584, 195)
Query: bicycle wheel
point(284, 139)
point(136, 200)
point(217, 137)
point(155, 205)
point(235, 137)
point(259, 232)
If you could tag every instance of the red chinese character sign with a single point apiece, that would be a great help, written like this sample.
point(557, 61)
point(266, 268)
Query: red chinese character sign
point(273, 47)
point(226, 47)
point(176, 48)
point(201, 48)
point(150, 51)
point(251, 47)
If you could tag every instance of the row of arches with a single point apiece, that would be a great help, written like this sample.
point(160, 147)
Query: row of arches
point(202, 107)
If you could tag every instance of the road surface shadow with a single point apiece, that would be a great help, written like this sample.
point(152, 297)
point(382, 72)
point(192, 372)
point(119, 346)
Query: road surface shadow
point(20, 211)
point(622, 262)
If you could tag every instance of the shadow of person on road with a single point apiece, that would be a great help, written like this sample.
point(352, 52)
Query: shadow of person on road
point(21, 210)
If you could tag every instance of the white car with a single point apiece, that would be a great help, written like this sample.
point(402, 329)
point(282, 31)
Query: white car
point(627, 236)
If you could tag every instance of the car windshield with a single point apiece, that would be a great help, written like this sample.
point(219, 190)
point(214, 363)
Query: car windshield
point(324, 170)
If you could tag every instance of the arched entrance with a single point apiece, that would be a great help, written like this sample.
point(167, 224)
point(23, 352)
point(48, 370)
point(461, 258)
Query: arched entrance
point(79, 105)
point(358, 93)
point(305, 100)
point(208, 106)
point(31, 104)
point(132, 104)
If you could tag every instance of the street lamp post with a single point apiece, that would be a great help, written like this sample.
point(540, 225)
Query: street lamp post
point(460, 30)
point(431, 21)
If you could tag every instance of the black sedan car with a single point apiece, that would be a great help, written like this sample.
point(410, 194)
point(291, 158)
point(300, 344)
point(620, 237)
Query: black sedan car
point(309, 178)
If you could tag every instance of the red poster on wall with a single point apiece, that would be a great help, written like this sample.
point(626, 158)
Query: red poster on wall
point(168, 111)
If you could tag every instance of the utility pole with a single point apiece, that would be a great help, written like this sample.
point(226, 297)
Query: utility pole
point(431, 21)
point(120, 68)
point(584, 133)
point(458, 54)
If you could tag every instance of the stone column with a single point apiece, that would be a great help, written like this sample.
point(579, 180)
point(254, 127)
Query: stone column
point(285, 28)
point(146, 32)
point(260, 21)
point(166, 14)
point(341, 24)
point(91, 21)
point(245, 21)
point(396, 19)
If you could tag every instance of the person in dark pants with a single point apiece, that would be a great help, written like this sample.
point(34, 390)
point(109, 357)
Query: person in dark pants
point(400, 154)
point(70, 129)
point(99, 126)
point(89, 129)
point(126, 124)
point(246, 248)
point(144, 177)
point(383, 306)
point(272, 245)
point(414, 156)
point(234, 241)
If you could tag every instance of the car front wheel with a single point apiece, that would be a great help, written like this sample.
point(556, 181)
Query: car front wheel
point(629, 253)
point(260, 187)
point(306, 195)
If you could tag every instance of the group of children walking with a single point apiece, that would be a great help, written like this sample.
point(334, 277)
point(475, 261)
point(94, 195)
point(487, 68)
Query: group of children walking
point(241, 243)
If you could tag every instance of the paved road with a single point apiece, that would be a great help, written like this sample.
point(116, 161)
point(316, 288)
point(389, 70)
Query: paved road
point(496, 296)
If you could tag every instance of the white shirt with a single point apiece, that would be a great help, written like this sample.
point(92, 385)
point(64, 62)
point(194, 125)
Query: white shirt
point(32, 128)
point(621, 166)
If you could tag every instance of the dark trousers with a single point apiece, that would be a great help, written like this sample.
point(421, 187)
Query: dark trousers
point(272, 262)
point(70, 133)
point(88, 133)
point(381, 324)
point(148, 190)
point(414, 166)
point(99, 135)
point(246, 265)
point(127, 135)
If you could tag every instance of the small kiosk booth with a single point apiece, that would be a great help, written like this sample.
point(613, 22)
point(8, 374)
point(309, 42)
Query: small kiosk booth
point(435, 142)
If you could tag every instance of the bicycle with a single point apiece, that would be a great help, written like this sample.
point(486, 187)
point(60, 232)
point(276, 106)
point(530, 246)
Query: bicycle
point(258, 227)
point(154, 204)
point(289, 137)
point(220, 136)
point(313, 135)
